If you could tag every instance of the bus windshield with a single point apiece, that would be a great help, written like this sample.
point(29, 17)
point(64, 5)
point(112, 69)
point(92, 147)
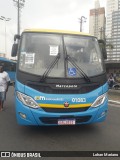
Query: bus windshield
point(38, 51)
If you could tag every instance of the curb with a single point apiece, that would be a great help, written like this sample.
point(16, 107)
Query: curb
point(114, 91)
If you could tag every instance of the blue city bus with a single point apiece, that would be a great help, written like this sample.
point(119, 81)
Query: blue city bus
point(9, 67)
point(60, 79)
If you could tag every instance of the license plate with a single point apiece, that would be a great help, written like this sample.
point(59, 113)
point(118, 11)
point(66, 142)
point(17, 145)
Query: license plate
point(66, 122)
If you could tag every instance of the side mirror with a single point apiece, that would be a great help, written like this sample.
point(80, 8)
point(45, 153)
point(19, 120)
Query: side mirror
point(102, 45)
point(15, 46)
point(17, 36)
point(14, 50)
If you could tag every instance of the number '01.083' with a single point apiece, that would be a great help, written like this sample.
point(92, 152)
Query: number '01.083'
point(78, 99)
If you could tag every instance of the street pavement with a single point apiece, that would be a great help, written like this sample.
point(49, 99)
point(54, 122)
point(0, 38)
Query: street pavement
point(114, 96)
point(95, 137)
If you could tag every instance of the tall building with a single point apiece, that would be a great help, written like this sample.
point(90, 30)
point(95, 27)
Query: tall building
point(97, 21)
point(112, 5)
point(115, 55)
point(97, 4)
point(113, 29)
point(113, 36)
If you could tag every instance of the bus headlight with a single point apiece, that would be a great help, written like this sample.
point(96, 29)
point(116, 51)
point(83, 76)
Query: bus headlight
point(100, 100)
point(26, 100)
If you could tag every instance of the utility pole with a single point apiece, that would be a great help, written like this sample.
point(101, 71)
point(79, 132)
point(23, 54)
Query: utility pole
point(19, 4)
point(81, 21)
point(5, 20)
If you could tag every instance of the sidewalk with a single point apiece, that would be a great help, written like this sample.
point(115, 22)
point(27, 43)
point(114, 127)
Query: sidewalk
point(114, 91)
point(114, 96)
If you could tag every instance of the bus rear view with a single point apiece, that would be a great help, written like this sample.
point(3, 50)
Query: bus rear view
point(60, 79)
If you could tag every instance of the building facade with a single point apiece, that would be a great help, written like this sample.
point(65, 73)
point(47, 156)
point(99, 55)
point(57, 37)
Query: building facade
point(112, 5)
point(97, 21)
point(113, 30)
point(113, 36)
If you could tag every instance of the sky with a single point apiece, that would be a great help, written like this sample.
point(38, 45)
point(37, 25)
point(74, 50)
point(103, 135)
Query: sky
point(47, 14)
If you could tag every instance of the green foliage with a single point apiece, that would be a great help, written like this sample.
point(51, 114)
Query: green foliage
point(110, 46)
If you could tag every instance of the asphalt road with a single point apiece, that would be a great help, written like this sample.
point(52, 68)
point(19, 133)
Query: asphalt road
point(96, 137)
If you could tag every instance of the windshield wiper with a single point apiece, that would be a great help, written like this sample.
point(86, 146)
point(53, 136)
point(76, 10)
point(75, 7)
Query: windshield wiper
point(70, 59)
point(51, 66)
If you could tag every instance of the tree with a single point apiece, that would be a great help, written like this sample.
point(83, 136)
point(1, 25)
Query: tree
point(109, 45)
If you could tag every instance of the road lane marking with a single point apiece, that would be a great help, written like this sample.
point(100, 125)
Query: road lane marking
point(116, 102)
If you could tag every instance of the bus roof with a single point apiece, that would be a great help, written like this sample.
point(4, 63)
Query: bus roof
point(57, 31)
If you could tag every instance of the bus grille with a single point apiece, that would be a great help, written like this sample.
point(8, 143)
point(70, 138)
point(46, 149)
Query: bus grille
point(54, 120)
point(65, 110)
point(48, 89)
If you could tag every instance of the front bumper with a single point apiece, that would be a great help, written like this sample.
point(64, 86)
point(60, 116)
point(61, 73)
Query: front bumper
point(29, 116)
